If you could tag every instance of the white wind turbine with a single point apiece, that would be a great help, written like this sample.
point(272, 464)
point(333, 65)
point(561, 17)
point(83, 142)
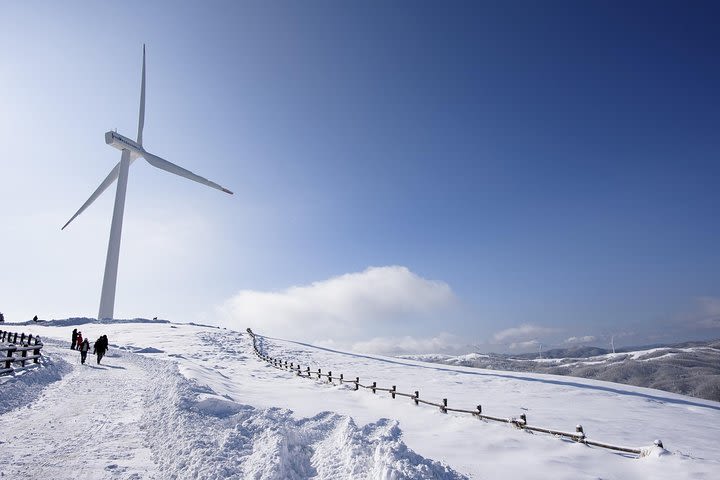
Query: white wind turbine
point(130, 152)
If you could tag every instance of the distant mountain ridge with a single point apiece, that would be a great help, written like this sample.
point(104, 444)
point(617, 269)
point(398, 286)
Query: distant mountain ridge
point(689, 368)
point(588, 351)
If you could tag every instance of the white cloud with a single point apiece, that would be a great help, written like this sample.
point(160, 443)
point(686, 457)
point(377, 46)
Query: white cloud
point(709, 312)
point(530, 344)
point(441, 343)
point(348, 306)
point(585, 339)
point(522, 333)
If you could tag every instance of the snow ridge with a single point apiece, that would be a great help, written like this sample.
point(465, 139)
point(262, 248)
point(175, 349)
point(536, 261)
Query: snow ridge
point(195, 433)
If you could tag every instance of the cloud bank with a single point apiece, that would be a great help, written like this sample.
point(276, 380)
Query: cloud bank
point(579, 340)
point(522, 333)
point(347, 309)
point(710, 312)
point(444, 342)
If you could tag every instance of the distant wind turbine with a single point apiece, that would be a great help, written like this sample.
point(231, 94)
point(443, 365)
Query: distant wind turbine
point(131, 150)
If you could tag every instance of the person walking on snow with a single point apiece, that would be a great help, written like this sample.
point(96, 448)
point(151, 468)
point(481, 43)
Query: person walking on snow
point(84, 347)
point(100, 348)
point(74, 339)
point(79, 340)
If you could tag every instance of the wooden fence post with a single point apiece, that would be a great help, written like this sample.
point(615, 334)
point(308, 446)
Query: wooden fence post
point(15, 340)
point(580, 433)
point(341, 379)
point(8, 362)
point(24, 354)
point(443, 408)
point(357, 383)
point(308, 372)
point(36, 351)
point(22, 338)
point(392, 392)
point(374, 386)
point(417, 397)
point(330, 376)
point(319, 374)
point(479, 411)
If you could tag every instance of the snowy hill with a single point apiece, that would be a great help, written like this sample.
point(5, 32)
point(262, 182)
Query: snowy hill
point(188, 401)
point(690, 368)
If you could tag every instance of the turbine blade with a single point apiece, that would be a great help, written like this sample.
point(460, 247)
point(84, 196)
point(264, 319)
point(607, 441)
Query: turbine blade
point(141, 121)
point(112, 176)
point(163, 164)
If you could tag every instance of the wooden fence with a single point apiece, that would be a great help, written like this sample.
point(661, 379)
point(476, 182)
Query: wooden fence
point(14, 352)
point(520, 422)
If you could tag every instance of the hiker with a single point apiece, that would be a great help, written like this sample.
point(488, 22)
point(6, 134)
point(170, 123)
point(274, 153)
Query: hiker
point(2, 317)
point(84, 347)
point(74, 339)
point(79, 339)
point(100, 348)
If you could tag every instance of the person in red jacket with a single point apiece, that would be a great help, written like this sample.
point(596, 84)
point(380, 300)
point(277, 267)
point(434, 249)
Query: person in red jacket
point(79, 339)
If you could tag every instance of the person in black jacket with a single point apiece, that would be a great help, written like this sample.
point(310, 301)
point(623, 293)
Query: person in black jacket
point(74, 339)
point(100, 348)
point(84, 347)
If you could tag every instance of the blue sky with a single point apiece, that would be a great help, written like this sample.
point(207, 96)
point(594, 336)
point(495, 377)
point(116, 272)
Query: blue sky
point(539, 171)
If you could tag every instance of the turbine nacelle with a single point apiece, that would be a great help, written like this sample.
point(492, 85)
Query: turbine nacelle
point(121, 142)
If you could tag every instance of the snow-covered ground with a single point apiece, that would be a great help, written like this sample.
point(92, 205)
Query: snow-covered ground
point(188, 401)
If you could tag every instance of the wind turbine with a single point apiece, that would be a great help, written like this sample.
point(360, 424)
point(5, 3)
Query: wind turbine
point(131, 151)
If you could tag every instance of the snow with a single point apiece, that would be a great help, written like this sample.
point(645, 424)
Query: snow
point(191, 401)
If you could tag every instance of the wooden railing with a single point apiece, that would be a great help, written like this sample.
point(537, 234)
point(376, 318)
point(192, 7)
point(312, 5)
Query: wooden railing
point(14, 350)
point(520, 422)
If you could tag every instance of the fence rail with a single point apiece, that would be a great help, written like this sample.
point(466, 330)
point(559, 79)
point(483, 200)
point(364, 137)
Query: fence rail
point(519, 422)
point(10, 345)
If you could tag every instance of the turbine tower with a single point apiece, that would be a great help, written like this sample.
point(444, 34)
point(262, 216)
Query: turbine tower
point(131, 150)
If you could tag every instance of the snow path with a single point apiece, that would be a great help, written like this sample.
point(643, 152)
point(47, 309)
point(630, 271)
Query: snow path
point(85, 426)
